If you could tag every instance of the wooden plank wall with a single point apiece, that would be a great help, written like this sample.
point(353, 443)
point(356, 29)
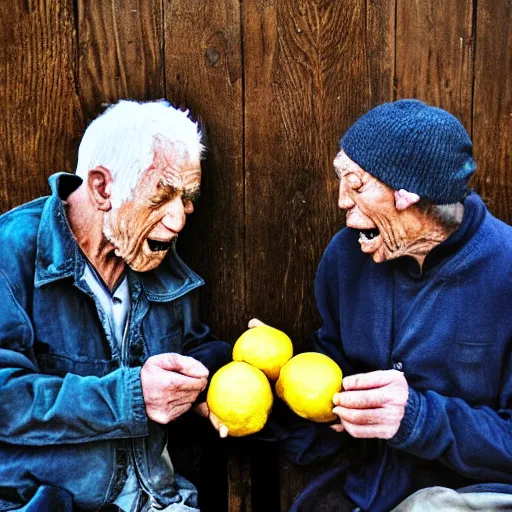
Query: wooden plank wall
point(275, 83)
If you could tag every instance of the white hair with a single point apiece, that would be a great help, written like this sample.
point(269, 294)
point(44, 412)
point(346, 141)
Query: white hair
point(447, 214)
point(123, 141)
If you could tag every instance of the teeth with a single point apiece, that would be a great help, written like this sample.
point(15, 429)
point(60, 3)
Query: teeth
point(366, 236)
point(156, 245)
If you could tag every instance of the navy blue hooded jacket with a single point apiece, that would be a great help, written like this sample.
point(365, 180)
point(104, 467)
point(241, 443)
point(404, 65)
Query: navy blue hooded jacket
point(449, 330)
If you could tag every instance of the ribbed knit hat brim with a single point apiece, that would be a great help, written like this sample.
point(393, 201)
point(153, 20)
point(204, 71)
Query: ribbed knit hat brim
point(410, 145)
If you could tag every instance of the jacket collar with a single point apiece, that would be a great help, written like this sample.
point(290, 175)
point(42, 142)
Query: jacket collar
point(59, 256)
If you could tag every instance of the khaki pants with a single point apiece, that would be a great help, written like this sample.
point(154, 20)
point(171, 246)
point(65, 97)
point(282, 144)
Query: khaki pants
point(441, 499)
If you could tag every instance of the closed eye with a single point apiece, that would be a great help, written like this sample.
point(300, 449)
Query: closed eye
point(192, 196)
point(164, 193)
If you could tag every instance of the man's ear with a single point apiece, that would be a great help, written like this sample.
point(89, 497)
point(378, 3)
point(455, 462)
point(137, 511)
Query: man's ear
point(99, 182)
point(404, 199)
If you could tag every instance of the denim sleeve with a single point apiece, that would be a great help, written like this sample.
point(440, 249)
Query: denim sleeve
point(38, 409)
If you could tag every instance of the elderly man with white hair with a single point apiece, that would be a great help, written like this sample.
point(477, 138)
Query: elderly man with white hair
point(101, 345)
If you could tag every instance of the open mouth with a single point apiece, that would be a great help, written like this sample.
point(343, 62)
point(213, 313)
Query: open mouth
point(365, 235)
point(157, 245)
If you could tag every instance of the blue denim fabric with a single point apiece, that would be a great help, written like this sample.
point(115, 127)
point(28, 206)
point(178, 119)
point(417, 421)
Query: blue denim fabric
point(71, 408)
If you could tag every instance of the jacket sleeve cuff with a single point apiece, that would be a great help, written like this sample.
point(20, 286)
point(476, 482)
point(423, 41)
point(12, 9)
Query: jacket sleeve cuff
point(412, 424)
point(135, 407)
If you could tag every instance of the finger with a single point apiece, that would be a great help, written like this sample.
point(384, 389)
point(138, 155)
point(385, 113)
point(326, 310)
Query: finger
point(255, 322)
point(369, 431)
point(219, 426)
point(175, 383)
point(178, 410)
point(202, 409)
point(371, 380)
point(367, 416)
point(182, 364)
point(338, 427)
point(164, 415)
point(365, 399)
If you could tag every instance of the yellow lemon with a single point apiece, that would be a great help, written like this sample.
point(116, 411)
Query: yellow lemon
point(307, 384)
point(241, 397)
point(265, 348)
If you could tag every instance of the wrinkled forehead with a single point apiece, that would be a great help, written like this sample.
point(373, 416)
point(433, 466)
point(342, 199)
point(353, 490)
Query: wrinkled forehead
point(176, 168)
point(343, 165)
point(178, 153)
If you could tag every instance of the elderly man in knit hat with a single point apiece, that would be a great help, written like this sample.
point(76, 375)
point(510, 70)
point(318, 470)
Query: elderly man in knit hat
point(415, 297)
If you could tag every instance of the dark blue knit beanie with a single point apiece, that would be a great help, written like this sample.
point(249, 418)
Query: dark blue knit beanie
point(407, 144)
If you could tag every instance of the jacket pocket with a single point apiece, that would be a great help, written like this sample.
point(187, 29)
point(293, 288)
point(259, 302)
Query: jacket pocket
point(470, 352)
point(171, 342)
point(473, 372)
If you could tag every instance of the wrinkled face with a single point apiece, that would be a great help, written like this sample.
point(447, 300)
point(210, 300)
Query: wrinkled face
point(143, 228)
point(370, 208)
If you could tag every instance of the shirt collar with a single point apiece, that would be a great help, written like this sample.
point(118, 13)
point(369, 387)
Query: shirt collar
point(59, 256)
point(56, 256)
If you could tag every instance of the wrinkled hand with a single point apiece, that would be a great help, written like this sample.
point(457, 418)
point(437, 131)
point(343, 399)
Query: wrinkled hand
point(203, 410)
point(254, 322)
point(170, 385)
point(371, 404)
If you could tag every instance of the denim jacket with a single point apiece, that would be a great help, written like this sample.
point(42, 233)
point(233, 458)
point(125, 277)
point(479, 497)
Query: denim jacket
point(71, 408)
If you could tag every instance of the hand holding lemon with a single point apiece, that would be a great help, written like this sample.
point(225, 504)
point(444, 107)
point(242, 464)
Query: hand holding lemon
point(308, 383)
point(240, 395)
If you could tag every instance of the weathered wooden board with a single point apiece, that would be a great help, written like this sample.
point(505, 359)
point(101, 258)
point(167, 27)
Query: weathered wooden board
point(41, 116)
point(492, 121)
point(380, 44)
point(120, 52)
point(434, 54)
point(203, 72)
point(308, 76)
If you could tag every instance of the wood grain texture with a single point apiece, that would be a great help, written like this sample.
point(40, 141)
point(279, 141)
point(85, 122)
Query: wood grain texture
point(203, 69)
point(239, 482)
point(308, 69)
point(41, 116)
point(434, 54)
point(120, 51)
point(492, 122)
point(380, 43)
point(204, 74)
point(306, 81)
point(275, 84)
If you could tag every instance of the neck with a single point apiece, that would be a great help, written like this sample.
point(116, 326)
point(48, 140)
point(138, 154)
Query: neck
point(87, 226)
point(428, 232)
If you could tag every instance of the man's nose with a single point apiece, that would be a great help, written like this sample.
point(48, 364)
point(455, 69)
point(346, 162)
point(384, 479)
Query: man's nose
point(344, 200)
point(175, 215)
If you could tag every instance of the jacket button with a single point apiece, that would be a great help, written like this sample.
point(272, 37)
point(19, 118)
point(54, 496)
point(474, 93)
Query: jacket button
point(398, 366)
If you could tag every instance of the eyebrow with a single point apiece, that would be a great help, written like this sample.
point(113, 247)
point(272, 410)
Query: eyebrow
point(189, 191)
